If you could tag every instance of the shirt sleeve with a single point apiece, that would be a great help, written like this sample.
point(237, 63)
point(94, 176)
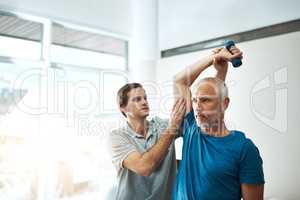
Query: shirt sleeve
point(251, 165)
point(120, 148)
point(189, 119)
point(188, 122)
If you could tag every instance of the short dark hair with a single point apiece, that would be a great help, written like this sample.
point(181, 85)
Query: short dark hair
point(122, 98)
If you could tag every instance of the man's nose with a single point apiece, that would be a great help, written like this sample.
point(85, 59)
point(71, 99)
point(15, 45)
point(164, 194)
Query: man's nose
point(199, 106)
point(144, 101)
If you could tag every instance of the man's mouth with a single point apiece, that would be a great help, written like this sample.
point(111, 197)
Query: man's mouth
point(201, 116)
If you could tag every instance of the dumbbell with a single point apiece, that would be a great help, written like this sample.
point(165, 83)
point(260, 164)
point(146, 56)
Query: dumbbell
point(236, 62)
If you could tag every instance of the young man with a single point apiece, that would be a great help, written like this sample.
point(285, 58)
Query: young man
point(143, 151)
point(217, 163)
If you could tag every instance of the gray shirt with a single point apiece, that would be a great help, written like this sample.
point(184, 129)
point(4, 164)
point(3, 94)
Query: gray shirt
point(131, 186)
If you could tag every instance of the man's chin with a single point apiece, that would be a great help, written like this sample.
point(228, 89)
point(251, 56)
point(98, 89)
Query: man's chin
point(202, 123)
point(145, 114)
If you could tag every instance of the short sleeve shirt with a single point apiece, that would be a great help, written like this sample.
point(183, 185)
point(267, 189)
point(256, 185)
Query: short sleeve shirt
point(131, 186)
point(213, 168)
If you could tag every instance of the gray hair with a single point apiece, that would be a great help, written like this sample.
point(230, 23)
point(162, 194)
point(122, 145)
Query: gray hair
point(219, 85)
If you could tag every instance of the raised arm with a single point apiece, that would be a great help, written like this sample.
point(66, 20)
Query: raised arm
point(184, 79)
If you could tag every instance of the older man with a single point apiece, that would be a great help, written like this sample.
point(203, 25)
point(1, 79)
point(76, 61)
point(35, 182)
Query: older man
point(217, 163)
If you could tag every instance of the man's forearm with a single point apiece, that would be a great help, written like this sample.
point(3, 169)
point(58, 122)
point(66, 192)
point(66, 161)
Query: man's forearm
point(153, 157)
point(221, 74)
point(190, 74)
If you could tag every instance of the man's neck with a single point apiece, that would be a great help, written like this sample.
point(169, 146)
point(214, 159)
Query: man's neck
point(139, 126)
point(217, 129)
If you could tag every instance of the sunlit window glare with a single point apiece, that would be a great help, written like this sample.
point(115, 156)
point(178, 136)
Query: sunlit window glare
point(54, 120)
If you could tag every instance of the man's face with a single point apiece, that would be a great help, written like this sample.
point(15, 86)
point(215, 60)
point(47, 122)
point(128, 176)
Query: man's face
point(208, 105)
point(137, 105)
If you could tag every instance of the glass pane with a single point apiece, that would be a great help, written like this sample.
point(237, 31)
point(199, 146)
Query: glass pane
point(86, 49)
point(17, 34)
point(84, 58)
point(79, 167)
point(19, 129)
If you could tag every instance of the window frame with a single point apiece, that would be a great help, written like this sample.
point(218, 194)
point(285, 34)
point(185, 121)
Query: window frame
point(45, 60)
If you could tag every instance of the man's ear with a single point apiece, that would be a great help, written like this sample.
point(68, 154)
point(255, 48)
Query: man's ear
point(225, 103)
point(123, 109)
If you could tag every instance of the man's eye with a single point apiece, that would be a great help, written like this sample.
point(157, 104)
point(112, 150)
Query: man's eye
point(204, 100)
point(137, 99)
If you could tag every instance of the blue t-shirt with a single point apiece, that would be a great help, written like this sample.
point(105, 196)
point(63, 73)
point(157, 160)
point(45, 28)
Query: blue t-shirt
point(213, 168)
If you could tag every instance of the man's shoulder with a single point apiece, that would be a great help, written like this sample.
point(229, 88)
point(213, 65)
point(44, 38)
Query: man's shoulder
point(189, 119)
point(158, 121)
point(239, 134)
point(158, 125)
point(119, 132)
point(245, 142)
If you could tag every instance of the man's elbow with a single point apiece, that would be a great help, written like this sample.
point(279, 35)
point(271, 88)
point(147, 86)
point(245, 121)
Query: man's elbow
point(252, 192)
point(145, 173)
point(178, 85)
point(145, 169)
point(177, 79)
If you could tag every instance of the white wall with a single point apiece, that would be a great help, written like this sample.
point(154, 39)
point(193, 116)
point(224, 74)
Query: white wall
point(264, 104)
point(186, 22)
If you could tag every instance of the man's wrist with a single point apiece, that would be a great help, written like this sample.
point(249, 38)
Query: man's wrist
point(211, 59)
point(172, 130)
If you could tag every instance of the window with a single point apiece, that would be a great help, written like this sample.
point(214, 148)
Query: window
point(17, 34)
point(77, 47)
point(19, 128)
point(56, 112)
